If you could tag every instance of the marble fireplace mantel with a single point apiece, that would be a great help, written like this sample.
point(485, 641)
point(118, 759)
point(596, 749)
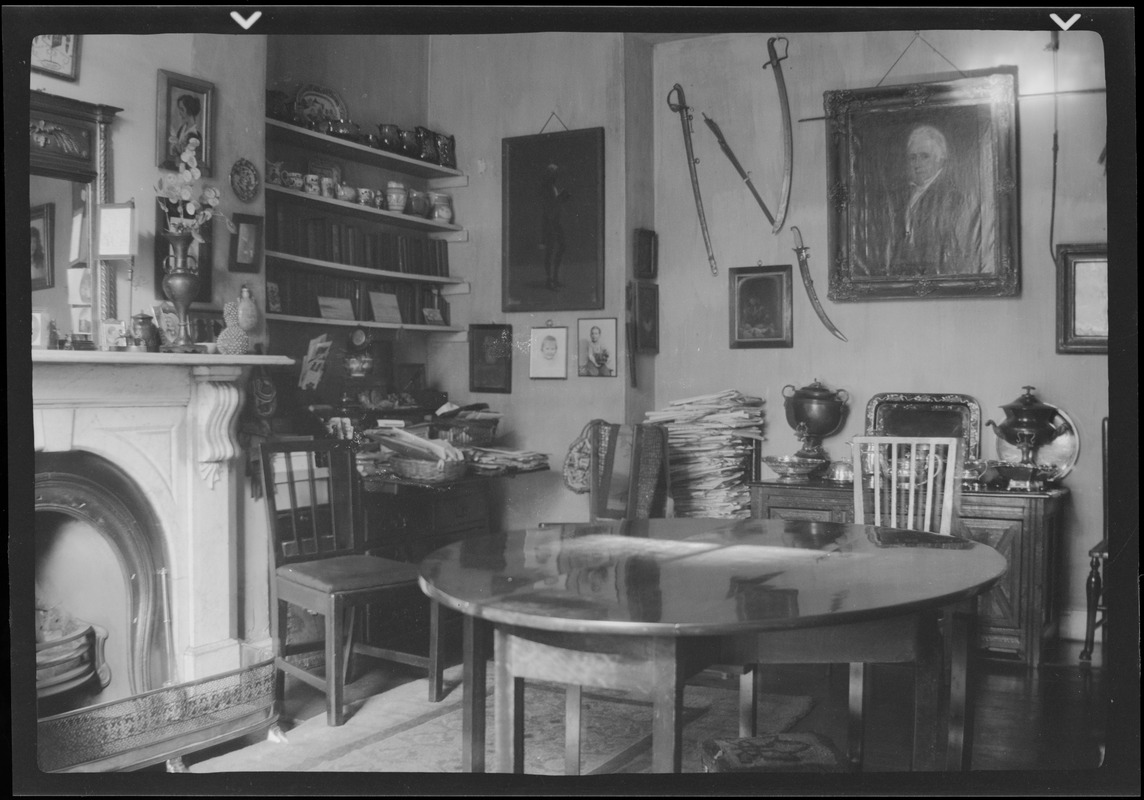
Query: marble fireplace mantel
point(169, 421)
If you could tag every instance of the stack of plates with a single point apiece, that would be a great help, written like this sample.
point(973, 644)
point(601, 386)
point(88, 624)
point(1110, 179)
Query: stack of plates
point(709, 443)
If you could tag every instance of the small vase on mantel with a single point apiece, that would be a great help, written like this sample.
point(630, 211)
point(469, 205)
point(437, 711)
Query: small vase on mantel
point(180, 284)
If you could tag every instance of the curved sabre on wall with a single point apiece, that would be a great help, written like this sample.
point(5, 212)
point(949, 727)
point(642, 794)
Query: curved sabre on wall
point(788, 144)
point(684, 112)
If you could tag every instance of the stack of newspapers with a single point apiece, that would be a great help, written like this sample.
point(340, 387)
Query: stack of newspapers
point(710, 444)
point(496, 461)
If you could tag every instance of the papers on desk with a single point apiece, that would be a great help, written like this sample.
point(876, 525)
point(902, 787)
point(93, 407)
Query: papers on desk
point(496, 461)
point(709, 445)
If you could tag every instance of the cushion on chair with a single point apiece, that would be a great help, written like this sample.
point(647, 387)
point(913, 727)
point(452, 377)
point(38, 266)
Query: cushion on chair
point(780, 752)
point(347, 573)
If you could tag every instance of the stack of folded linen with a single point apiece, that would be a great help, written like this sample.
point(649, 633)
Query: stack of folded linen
point(709, 443)
point(496, 461)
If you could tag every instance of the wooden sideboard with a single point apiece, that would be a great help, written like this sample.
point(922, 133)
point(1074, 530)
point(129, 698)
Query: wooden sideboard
point(1018, 617)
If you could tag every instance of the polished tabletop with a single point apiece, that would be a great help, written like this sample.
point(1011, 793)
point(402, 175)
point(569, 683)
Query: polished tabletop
point(696, 577)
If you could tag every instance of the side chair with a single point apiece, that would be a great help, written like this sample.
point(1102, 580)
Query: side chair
point(313, 505)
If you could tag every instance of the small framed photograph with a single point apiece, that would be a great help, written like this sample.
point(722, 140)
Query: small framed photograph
point(41, 325)
point(115, 230)
point(112, 333)
point(273, 298)
point(81, 320)
point(185, 111)
point(646, 312)
point(490, 358)
point(548, 353)
point(167, 321)
point(246, 243)
point(56, 54)
point(597, 348)
point(1082, 298)
point(760, 307)
point(336, 308)
point(647, 254)
point(43, 237)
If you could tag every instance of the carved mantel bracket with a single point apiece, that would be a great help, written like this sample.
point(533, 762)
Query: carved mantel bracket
point(215, 405)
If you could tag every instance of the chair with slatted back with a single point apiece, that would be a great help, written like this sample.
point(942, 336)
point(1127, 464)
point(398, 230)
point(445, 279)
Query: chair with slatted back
point(314, 510)
point(1098, 555)
point(629, 475)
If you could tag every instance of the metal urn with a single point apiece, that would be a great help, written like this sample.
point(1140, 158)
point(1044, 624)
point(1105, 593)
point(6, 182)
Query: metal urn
point(814, 412)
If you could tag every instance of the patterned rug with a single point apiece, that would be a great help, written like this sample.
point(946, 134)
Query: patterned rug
point(400, 731)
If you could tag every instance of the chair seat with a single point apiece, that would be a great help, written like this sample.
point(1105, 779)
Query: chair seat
point(348, 573)
point(780, 752)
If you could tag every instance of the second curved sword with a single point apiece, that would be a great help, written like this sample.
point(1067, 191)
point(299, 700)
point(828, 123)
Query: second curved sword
point(804, 267)
point(788, 143)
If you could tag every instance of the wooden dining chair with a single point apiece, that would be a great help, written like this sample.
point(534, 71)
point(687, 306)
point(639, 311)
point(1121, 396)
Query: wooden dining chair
point(629, 474)
point(1098, 555)
point(313, 505)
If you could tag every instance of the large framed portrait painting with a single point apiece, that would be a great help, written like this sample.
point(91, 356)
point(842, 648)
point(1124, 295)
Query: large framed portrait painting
point(923, 189)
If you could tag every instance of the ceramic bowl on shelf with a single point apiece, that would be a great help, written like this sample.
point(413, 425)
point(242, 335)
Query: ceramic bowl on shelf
point(794, 468)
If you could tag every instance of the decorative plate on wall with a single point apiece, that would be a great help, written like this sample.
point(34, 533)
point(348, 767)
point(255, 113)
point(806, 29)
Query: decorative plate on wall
point(244, 180)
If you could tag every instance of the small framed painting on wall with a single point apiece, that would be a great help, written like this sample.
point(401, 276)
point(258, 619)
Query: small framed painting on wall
point(548, 353)
point(490, 358)
point(760, 307)
point(1082, 298)
point(597, 348)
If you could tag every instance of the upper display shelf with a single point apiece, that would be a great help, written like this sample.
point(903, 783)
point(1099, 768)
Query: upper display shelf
point(286, 133)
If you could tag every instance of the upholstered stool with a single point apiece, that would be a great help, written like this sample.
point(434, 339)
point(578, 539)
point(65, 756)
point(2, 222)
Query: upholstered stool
point(778, 752)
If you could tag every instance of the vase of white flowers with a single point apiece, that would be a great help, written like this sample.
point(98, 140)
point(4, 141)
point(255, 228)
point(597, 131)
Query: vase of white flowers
point(188, 205)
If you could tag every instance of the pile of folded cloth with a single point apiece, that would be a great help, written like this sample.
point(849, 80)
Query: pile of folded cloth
point(710, 444)
point(497, 461)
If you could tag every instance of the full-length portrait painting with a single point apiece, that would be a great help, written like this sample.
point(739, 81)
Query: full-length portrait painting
point(923, 187)
point(553, 187)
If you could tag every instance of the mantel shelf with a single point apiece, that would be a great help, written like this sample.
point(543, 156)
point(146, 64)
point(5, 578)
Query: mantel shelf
point(162, 359)
point(366, 272)
point(331, 145)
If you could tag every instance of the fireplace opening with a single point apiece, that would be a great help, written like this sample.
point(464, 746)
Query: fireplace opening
point(101, 627)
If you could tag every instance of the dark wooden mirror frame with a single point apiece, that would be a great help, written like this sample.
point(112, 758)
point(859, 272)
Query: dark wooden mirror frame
point(70, 139)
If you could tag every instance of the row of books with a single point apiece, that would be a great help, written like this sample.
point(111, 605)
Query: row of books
point(356, 245)
point(307, 293)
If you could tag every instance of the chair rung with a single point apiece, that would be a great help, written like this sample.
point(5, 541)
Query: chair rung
point(399, 656)
point(301, 674)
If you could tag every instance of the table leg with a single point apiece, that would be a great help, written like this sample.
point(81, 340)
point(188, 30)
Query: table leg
point(959, 748)
point(1092, 589)
point(750, 687)
point(927, 698)
point(473, 685)
point(858, 688)
point(572, 722)
point(508, 709)
point(667, 705)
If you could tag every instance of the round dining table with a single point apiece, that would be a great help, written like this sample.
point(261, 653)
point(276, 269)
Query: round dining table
point(643, 605)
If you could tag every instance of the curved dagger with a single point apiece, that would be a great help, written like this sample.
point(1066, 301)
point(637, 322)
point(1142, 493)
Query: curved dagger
point(788, 144)
point(746, 176)
point(684, 112)
point(804, 268)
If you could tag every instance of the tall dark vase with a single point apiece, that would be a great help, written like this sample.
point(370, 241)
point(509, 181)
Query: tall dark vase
point(181, 285)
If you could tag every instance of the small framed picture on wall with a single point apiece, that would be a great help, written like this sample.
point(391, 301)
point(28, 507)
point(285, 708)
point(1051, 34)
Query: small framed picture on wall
point(646, 312)
point(597, 348)
point(548, 353)
point(760, 310)
point(490, 358)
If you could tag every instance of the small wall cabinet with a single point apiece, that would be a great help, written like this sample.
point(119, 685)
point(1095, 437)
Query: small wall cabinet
point(1017, 618)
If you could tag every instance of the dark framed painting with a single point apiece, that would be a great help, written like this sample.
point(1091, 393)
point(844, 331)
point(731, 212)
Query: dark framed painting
point(761, 309)
point(647, 254)
point(201, 252)
point(553, 221)
point(645, 309)
point(596, 348)
point(185, 111)
point(923, 189)
point(246, 243)
point(56, 54)
point(1082, 298)
point(490, 358)
point(43, 224)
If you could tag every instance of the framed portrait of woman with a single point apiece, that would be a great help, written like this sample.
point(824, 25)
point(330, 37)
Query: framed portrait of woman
point(185, 111)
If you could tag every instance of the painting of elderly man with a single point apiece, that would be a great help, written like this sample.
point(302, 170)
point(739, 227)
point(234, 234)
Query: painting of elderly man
point(928, 176)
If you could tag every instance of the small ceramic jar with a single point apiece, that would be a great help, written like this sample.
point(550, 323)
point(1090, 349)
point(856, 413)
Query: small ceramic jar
point(379, 200)
point(418, 203)
point(293, 180)
point(395, 197)
point(365, 196)
point(390, 136)
point(346, 192)
point(312, 183)
point(329, 186)
point(274, 172)
point(442, 206)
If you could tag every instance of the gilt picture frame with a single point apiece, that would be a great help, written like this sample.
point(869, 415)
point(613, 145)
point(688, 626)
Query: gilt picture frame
point(490, 358)
point(761, 311)
point(185, 109)
point(923, 189)
point(553, 221)
point(1082, 298)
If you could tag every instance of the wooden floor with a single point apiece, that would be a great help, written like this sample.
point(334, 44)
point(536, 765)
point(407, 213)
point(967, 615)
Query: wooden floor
point(1036, 722)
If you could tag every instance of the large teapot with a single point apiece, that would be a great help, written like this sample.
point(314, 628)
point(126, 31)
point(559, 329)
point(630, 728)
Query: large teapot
point(1028, 424)
point(814, 412)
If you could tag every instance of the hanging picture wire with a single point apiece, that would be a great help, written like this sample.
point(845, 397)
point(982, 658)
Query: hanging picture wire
point(550, 116)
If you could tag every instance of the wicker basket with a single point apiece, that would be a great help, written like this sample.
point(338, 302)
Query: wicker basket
point(478, 432)
point(416, 469)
